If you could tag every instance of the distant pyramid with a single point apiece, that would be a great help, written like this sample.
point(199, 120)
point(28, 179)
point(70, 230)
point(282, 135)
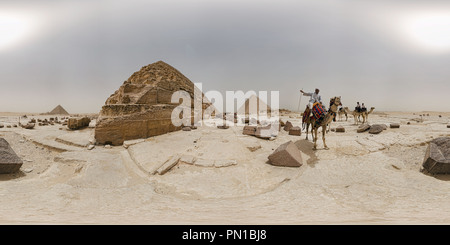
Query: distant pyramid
point(254, 105)
point(59, 110)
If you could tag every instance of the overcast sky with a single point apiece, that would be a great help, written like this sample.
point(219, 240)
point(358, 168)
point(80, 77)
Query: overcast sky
point(393, 55)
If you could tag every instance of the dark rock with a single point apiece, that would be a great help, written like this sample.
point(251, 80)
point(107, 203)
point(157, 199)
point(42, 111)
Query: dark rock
point(28, 126)
point(9, 161)
point(186, 129)
point(363, 128)
point(288, 126)
point(395, 125)
point(2, 126)
point(295, 131)
point(376, 129)
point(223, 127)
point(340, 129)
point(286, 155)
point(437, 157)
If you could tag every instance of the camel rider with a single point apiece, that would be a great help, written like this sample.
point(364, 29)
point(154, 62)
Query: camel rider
point(314, 97)
point(358, 107)
point(363, 108)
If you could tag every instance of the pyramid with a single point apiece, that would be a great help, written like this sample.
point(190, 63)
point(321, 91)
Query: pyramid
point(142, 106)
point(59, 110)
point(258, 106)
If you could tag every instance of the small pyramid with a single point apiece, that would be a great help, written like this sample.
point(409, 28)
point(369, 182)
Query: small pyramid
point(59, 110)
point(253, 100)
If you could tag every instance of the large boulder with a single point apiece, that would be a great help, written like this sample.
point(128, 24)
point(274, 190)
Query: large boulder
point(437, 157)
point(295, 131)
point(267, 132)
point(77, 123)
point(142, 107)
point(287, 126)
point(376, 129)
point(249, 130)
point(9, 161)
point(286, 155)
point(29, 126)
point(363, 128)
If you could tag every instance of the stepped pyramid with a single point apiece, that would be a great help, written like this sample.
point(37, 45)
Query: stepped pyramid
point(59, 110)
point(142, 106)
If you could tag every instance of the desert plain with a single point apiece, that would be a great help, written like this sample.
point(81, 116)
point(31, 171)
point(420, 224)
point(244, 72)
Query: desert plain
point(224, 177)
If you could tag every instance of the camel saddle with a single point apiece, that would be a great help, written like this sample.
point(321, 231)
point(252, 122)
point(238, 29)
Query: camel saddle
point(318, 111)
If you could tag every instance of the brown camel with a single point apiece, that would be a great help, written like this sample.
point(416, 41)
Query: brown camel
point(366, 114)
point(336, 101)
point(342, 112)
point(357, 115)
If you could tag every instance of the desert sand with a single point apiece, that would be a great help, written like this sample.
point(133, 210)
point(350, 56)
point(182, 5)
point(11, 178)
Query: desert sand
point(361, 179)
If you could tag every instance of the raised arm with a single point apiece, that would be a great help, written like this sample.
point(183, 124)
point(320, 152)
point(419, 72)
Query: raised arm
point(305, 94)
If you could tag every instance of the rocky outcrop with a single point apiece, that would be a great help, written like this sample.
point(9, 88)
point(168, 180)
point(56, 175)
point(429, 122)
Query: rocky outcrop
point(142, 106)
point(286, 155)
point(437, 157)
point(9, 161)
point(78, 123)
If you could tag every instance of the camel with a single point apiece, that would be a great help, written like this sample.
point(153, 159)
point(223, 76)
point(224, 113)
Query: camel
point(357, 115)
point(342, 112)
point(307, 120)
point(366, 114)
point(336, 101)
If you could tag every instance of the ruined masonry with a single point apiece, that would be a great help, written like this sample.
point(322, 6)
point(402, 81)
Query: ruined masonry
point(142, 106)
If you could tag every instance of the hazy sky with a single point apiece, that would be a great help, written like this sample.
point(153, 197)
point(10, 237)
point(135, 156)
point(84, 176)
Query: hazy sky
point(393, 55)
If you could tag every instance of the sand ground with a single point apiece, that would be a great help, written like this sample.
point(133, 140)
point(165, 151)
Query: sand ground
point(361, 179)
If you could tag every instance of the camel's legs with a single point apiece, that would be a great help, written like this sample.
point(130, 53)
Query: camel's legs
point(315, 138)
point(307, 127)
point(323, 137)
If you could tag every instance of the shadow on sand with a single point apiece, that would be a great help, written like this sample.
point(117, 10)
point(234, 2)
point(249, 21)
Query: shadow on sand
point(306, 147)
point(6, 177)
point(444, 177)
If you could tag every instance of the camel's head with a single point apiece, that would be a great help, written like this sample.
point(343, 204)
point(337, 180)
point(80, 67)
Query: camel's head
point(336, 100)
